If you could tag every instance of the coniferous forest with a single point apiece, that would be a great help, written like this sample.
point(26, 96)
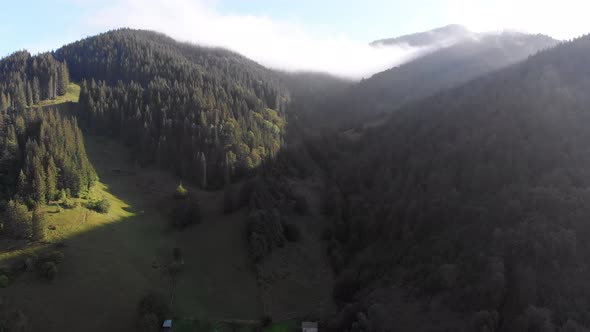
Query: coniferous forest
point(198, 111)
point(270, 198)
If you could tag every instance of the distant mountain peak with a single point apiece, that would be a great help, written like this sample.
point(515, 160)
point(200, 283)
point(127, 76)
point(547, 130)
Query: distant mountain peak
point(428, 38)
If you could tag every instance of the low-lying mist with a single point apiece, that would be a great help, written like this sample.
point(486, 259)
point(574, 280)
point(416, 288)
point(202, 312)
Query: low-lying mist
point(278, 45)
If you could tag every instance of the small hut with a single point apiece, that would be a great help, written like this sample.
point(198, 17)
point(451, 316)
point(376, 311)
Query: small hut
point(167, 326)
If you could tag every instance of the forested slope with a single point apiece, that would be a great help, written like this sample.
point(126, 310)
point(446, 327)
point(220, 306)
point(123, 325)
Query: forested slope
point(206, 113)
point(26, 80)
point(469, 56)
point(478, 196)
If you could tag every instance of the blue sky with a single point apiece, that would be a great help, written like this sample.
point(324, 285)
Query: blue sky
point(329, 35)
point(42, 25)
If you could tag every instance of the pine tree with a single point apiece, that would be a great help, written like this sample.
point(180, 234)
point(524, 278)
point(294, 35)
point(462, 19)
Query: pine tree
point(38, 224)
point(22, 185)
point(203, 171)
point(39, 184)
point(3, 103)
point(29, 94)
point(62, 79)
point(36, 89)
point(50, 88)
point(51, 182)
point(18, 221)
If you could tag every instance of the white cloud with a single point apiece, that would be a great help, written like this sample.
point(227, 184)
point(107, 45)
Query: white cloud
point(281, 45)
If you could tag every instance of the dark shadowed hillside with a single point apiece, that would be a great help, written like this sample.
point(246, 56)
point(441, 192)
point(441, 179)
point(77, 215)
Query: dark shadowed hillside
point(474, 200)
point(468, 57)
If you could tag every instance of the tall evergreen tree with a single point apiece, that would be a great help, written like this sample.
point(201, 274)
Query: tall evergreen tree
point(51, 183)
point(38, 224)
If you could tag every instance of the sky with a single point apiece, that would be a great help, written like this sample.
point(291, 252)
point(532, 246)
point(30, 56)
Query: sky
point(314, 35)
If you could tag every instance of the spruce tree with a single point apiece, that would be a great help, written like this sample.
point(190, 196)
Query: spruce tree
point(38, 224)
point(51, 182)
point(22, 185)
point(29, 94)
point(36, 89)
point(39, 184)
point(18, 221)
point(3, 103)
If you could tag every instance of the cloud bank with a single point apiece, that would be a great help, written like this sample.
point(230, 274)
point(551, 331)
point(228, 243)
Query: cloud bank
point(279, 45)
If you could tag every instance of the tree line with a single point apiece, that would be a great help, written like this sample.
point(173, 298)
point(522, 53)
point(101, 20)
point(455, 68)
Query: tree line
point(26, 80)
point(478, 198)
point(42, 159)
point(207, 114)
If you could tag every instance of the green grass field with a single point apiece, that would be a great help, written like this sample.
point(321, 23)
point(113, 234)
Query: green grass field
point(112, 259)
point(72, 95)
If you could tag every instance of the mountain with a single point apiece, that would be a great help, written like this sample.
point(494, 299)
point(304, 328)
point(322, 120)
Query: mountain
point(470, 56)
point(472, 203)
point(206, 113)
point(448, 67)
point(433, 37)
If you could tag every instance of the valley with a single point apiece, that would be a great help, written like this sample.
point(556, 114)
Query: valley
point(146, 181)
point(117, 257)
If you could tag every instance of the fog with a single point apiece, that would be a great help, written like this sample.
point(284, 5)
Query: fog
point(279, 45)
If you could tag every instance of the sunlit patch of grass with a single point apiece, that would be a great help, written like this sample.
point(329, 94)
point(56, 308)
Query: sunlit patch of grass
point(62, 223)
point(72, 95)
point(66, 223)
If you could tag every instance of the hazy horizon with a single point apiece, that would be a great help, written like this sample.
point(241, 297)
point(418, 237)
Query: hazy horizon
point(300, 37)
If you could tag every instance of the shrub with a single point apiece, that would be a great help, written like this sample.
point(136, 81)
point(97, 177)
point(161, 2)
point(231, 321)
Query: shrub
point(100, 206)
point(48, 271)
point(30, 262)
point(181, 192)
point(4, 281)
point(69, 204)
point(62, 196)
point(292, 232)
point(55, 256)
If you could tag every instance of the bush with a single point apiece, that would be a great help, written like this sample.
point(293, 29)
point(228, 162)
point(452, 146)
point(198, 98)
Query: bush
point(56, 257)
point(4, 281)
point(48, 271)
point(292, 232)
point(181, 192)
point(30, 262)
point(100, 206)
point(69, 203)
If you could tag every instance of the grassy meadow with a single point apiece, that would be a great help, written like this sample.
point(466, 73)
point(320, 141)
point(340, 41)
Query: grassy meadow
point(112, 259)
point(72, 96)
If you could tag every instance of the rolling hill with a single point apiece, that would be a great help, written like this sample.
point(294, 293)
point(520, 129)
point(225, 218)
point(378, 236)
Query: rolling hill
point(474, 200)
point(457, 57)
point(205, 113)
